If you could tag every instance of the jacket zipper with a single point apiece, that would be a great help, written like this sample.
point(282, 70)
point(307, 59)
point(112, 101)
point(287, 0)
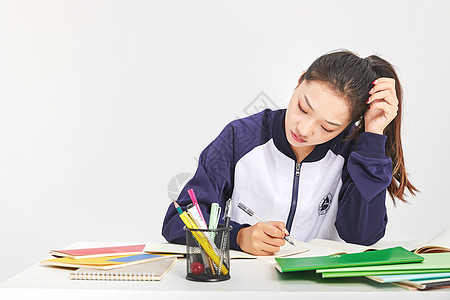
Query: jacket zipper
point(294, 197)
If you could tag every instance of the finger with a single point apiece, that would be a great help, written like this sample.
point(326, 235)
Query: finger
point(281, 226)
point(384, 106)
point(385, 95)
point(270, 248)
point(389, 112)
point(262, 252)
point(383, 79)
point(273, 231)
point(275, 241)
point(388, 99)
point(381, 87)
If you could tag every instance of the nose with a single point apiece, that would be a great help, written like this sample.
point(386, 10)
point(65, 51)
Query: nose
point(305, 127)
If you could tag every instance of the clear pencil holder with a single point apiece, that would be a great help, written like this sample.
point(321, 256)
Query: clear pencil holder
point(208, 254)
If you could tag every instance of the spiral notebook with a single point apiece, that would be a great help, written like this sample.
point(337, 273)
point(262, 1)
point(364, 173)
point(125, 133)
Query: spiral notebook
point(149, 271)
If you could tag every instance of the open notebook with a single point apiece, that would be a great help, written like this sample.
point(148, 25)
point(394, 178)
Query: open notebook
point(439, 243)
point(286, 250)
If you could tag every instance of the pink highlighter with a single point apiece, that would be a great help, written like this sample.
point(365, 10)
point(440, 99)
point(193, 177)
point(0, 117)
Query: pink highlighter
point(195, 202)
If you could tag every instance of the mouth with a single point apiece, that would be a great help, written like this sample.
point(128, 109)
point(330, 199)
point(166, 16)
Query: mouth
point(297, 138)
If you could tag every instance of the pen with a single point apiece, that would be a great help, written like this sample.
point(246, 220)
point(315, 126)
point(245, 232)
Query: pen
point(224, 241)
point(227, 214)
point(251, 213)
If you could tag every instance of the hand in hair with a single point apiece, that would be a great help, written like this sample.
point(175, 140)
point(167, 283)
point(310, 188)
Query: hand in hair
point(383, 105)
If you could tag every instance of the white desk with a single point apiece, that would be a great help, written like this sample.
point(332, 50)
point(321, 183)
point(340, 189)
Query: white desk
point(250, 279)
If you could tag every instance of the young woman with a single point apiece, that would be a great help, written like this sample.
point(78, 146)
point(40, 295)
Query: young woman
point(318, 169)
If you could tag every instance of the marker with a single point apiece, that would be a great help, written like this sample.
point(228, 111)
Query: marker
point(193, 212)
point(214, 218)
point(251, 213)
point(195, 202)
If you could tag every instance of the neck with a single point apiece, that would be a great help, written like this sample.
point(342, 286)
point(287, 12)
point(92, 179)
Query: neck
point(302, 152)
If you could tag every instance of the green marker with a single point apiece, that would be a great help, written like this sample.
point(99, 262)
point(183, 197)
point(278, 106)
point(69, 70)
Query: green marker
point(214, 218)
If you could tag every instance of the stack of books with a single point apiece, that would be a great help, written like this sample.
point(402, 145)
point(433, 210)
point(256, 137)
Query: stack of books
point(414, 266)
point(113, 263)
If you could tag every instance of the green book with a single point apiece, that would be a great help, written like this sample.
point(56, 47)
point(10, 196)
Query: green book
point(394, 255)
point(379, 273)
point(432, 263)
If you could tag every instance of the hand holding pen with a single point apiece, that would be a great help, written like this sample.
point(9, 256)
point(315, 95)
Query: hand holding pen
point(264, 238)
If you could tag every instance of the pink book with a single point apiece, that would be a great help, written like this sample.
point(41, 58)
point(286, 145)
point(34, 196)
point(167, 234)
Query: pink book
point(99, 252)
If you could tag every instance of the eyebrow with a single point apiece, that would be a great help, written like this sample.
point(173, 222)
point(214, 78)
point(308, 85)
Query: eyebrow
point(309, 104)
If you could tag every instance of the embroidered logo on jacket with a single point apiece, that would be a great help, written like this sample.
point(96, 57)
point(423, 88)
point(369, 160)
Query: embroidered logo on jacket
point(325, 204)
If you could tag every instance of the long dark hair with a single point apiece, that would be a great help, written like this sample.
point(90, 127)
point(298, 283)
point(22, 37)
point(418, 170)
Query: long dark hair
point(350, 76)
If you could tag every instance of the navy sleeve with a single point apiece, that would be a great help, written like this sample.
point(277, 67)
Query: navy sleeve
point(212, 182)
point(361, 217)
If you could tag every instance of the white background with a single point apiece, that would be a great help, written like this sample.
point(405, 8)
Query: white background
point(102, 103)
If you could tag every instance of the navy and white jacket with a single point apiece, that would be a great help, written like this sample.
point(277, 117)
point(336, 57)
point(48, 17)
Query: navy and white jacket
point(337, 192)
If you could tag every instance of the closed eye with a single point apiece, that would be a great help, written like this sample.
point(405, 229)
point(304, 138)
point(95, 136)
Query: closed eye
point(301, 109)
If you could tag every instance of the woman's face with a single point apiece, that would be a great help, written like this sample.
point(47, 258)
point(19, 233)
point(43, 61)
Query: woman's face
point(315, 115)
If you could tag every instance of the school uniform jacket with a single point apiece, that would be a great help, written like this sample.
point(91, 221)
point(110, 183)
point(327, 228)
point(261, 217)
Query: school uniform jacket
point(338, 192)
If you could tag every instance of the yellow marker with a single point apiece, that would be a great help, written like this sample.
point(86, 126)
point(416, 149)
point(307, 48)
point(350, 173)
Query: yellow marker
point(201, 239)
